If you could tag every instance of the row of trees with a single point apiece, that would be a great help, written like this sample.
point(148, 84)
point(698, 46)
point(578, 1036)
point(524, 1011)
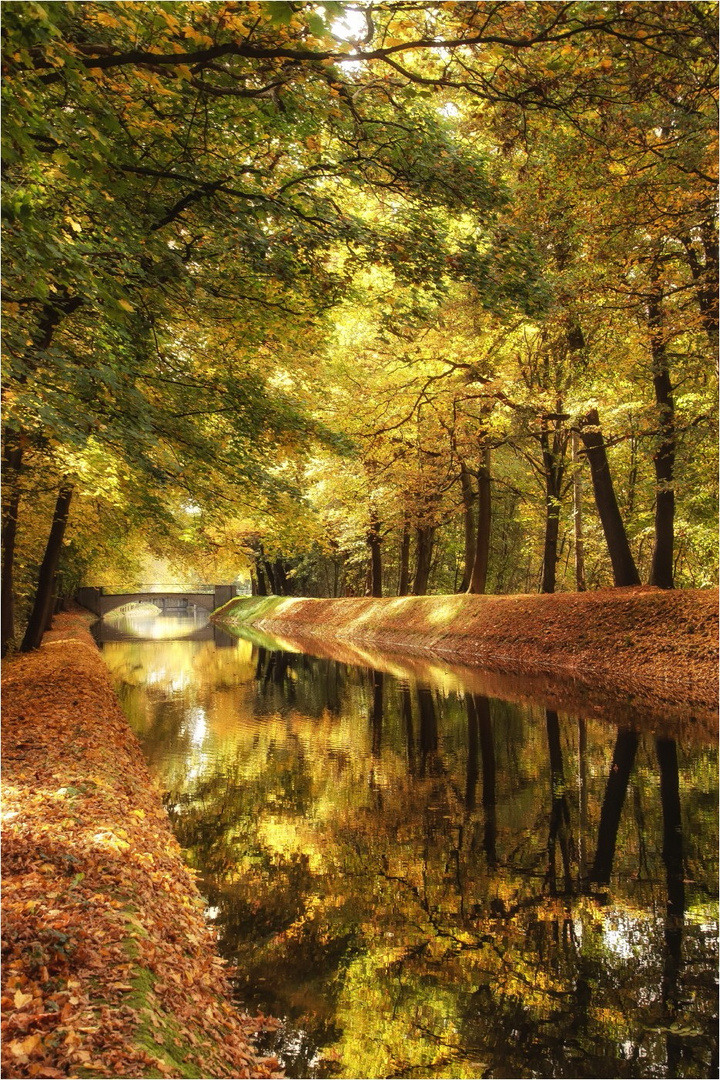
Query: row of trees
point(316, 289)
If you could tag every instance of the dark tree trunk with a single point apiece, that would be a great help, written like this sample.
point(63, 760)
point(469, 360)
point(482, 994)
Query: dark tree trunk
point(404, 581)
point(478, 577)
point(468, 501)
point(11, 473)
point(260, 575)
point(374, 543)
point(624, 569)
point(553, 451)
point(623, 760)
point(661, 573)
point(270, 573)
point(281, 581)
point(579, 541)
point(42, 606)
point(425, 537)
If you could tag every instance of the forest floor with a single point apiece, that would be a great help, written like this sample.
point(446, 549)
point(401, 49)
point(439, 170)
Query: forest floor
point(634, 654)
point(109, 968)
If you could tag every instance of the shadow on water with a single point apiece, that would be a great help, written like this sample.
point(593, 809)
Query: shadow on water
point(424, 881)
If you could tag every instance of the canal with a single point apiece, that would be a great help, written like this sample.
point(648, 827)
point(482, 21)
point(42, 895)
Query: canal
point(422, 881)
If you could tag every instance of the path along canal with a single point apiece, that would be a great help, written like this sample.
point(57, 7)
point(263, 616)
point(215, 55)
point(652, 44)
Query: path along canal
point(424, 882)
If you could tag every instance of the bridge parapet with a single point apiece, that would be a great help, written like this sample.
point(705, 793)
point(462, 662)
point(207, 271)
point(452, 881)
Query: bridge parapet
point(208, 597)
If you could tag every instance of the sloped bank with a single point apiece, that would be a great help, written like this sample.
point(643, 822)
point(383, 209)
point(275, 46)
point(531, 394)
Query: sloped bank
point(653, 647)
point(108, 966)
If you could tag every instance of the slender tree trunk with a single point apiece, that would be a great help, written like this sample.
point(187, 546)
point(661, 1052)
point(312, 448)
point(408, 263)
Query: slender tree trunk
point(42, 606)
point(579, 541)
point(661, 573)
point(404, 579)
point(624, 569)
point(11, 475)
point(468, 500)
point(425, 537)
point(554, 469)
point(374, 543)
point(478, 578)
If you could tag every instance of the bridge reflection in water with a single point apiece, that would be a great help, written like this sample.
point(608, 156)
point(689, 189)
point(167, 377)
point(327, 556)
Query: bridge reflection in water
point(139, 625)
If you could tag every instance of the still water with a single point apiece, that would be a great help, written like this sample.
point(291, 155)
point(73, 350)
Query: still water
point(422, 881)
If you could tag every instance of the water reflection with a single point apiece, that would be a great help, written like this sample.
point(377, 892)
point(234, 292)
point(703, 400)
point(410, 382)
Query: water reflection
point(427, 882)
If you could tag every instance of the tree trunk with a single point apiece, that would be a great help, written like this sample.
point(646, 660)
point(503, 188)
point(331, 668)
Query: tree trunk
point(578, 538)
point(468, 500)
point(425, 537)
point(260, 575)
point(13, 461)
point(281, 581)
point(553, 454)
point(42, 606)
point(478, 578)
point(374, 543)
point(661, 573)
point(404, 580)
point(624, 569)
point(270, 573)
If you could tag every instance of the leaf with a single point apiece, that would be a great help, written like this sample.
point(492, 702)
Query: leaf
point(21, 1000)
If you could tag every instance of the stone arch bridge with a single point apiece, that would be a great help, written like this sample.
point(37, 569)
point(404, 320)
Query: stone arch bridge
point(168, 598)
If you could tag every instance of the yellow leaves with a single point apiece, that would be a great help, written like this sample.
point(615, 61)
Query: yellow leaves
point(21, 1000)
point(126, 305)
point(105, 19)
point(21, 1049)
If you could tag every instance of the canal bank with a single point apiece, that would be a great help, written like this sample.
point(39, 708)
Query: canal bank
point(642, 645)
point(109, 968)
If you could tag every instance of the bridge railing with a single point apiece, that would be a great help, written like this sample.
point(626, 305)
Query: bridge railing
point(155, 587)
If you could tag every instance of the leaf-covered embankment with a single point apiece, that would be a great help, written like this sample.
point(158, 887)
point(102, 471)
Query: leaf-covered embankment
point(108, 966)
point(652, 647)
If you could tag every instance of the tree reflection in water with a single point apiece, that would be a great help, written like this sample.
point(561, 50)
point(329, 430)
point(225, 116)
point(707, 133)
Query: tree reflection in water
point(403, 873)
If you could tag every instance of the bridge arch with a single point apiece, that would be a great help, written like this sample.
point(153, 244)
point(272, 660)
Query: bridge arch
point(102, 603)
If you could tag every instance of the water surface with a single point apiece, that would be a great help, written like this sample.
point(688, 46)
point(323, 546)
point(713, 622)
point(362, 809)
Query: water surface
point(426, 882)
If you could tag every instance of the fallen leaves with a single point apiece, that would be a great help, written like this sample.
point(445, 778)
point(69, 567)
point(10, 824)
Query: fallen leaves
point(108, 965)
